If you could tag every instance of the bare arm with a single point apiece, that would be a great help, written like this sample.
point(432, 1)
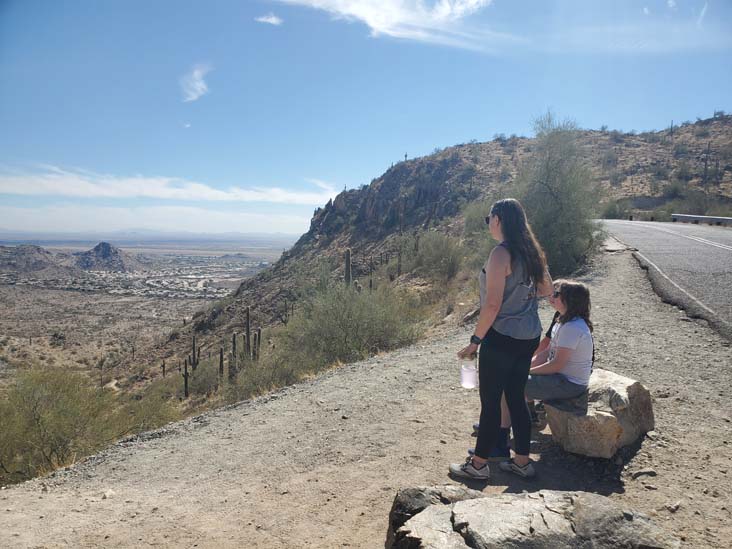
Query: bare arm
point(496, 270)
point(546, 286)
point(555, 365)
point(542, 353)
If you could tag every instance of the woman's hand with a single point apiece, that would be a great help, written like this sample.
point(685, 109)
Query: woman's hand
point(469, 351)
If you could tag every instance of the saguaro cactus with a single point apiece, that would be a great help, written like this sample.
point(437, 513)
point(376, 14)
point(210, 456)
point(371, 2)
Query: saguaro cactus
point(185, 375)
point(348, 266)
point(163, 367)
point(233, 363)
point(195, 355)
point(259, 342)
point(249, 333)
point(221, 363)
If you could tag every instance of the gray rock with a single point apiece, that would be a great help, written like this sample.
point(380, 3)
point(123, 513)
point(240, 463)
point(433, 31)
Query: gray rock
point(620, 411)
point(546, 519)
point(411, 501)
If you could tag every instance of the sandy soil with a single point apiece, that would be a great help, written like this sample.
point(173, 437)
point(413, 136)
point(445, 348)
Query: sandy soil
point(318, 464)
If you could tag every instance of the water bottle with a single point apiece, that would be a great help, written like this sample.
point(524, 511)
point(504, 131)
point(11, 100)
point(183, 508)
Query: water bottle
point(468, 373)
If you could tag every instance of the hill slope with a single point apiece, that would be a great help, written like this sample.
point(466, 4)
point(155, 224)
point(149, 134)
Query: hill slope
point(431, 191)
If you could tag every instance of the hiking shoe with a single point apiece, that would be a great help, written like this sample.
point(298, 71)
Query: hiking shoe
point(527, 471)
point(495, 455)
point(469, 471)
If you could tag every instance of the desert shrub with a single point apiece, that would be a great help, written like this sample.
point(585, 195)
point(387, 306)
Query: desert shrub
point(609, 159)
point(557, 190)
point(474, 215)
point(205, 379)
point(616, 178)
point(683, 171)
point(616, 209)
point(680, 150)
point(51, 417)
point(439, 256)
point(675, 189)
point(341, 324)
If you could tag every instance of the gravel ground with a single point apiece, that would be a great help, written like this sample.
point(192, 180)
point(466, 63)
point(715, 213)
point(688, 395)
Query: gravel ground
point(318, 464)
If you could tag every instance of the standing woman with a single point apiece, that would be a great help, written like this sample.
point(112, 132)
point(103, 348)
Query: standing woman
point(508, 332)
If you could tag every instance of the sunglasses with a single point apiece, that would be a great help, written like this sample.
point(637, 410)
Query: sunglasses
point(488, 220)
point(556, 294)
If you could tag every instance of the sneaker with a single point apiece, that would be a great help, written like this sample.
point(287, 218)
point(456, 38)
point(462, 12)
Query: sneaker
point(476, 427)
point(495, 455)
point(527, 471)
point(469, 471)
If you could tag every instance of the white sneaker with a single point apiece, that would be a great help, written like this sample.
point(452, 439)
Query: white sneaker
point(527, 471)
point(469, 471)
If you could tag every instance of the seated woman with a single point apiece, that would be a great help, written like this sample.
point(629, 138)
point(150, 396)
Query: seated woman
point(562, 370)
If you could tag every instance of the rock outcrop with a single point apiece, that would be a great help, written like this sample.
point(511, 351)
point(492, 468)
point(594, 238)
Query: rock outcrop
point(545, 519)
point(620, 411)
point(105, 257)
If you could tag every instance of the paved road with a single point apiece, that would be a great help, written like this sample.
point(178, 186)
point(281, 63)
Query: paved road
point(698, 258)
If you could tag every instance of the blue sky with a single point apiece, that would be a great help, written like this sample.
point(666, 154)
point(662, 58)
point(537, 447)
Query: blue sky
point(247, 115)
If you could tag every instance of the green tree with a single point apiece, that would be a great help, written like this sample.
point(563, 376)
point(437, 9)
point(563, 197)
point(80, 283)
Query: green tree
point(559, 195)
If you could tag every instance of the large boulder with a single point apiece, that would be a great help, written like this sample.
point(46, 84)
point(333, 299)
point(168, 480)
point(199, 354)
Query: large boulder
point(545, 519)
point(619, 412)
point(412, 501)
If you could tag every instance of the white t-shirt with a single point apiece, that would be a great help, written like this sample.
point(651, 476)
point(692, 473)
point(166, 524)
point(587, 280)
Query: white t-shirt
point(574, 335)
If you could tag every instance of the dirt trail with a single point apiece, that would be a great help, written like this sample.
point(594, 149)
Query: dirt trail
point(317, 464)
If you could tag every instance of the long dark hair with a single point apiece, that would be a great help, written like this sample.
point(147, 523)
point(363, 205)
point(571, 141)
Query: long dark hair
point(522, 243)
point(576, 296)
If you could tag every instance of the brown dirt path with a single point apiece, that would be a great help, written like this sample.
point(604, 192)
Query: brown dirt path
point(318, 464)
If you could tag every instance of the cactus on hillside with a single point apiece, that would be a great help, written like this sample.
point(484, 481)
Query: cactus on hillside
point(233, 361)
point(185, 375)
point(248, 348)
point(348, 267)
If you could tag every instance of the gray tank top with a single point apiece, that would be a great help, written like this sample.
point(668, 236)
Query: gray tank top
point(518, 317)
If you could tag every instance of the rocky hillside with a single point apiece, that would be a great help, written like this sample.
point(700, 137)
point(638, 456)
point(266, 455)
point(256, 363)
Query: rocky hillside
point(40, 263)
point(105, 257)
point(36, 262)
point(431, 191)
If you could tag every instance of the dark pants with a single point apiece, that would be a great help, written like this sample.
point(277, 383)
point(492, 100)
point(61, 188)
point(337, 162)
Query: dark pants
point(504, 367)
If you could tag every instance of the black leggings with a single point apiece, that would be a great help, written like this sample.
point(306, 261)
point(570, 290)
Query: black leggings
point(504, 367)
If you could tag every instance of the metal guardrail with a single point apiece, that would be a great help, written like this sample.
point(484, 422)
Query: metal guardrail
point(697, 219)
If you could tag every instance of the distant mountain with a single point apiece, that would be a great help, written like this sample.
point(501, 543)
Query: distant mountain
point(105, 257)
point(36, 262)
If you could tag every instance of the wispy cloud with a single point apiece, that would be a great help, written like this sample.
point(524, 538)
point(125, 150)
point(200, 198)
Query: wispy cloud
point(702, 15)
point(441, 22)
point(193, 85)
point(651, 37)
point(54, 181)
point(270, 19)
point(646, 11)
point(78, 218)
point(671, 4)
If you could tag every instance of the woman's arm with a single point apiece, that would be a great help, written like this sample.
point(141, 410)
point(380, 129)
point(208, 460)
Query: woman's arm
point(546, 286)
point(496, 270)
point(553, 366)
point(542, 353)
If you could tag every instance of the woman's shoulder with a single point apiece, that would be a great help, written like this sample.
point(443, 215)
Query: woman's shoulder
point(578, 323)
point(500, 253)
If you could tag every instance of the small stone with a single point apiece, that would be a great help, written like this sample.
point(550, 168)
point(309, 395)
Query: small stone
point(344, 416)
point(673, 507)
point(648, 471)
point(108, 494)
point(443, 442)
point(650, 487)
